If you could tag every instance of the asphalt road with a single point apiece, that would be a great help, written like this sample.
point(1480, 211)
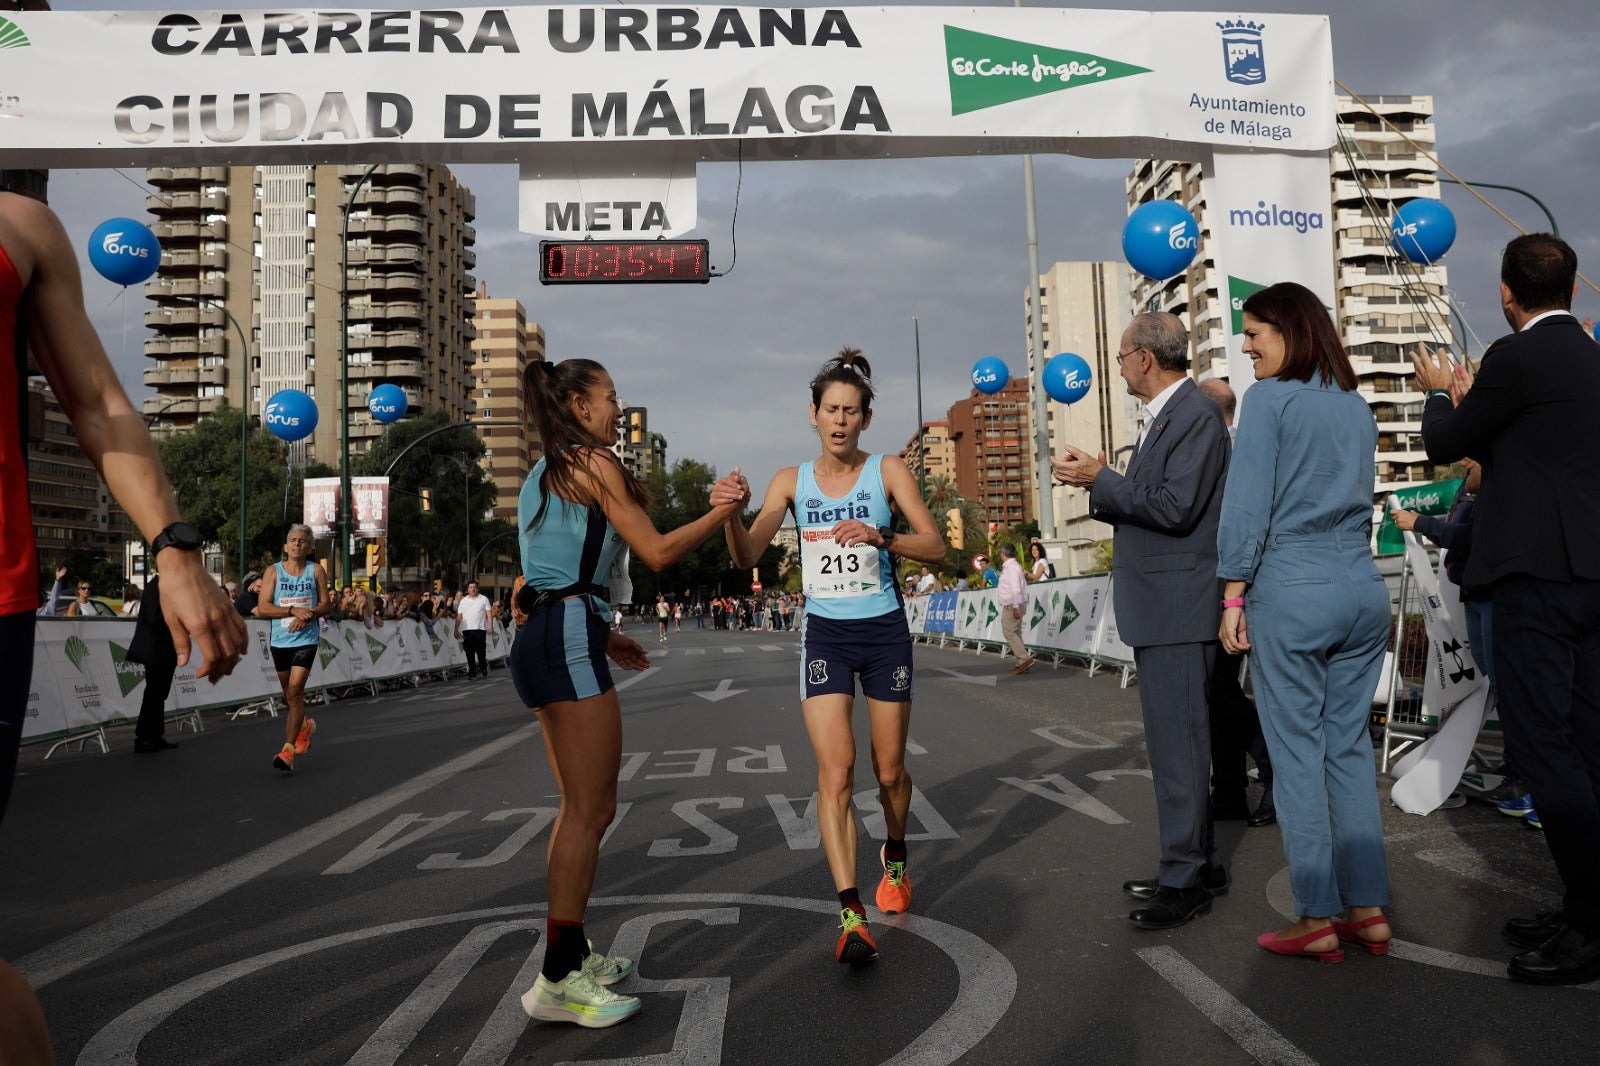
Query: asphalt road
point(385, 903)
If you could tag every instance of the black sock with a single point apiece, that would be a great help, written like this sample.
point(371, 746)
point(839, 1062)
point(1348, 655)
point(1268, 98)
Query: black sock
point(894, 850)
point(851, 898)
point(565, 948)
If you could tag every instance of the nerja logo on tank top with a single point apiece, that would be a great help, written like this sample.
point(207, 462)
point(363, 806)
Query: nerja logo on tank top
point(859, 508)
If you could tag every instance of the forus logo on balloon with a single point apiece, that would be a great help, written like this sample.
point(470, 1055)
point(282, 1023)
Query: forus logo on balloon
point(1181, 238)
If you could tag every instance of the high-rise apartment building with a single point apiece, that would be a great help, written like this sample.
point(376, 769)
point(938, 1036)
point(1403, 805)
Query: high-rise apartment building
point(1083, 309)
point(993, 453)
point(937, 455)
point(1385, 306)
point(248, 299)
point(503, 346)
point(641, 450)
point(73, 510)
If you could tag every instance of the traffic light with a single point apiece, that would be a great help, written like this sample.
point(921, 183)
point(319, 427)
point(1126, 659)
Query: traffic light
point(958, 531)
point(372, 559)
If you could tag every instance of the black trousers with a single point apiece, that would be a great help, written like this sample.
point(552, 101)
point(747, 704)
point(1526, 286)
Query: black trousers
point(1547, 658)
point(152, 713)
point(1235, 730)
point(16, 680)
point(475, 642)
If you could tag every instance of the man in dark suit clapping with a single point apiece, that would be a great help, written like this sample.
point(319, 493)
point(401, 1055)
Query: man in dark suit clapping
point(1167, 598)
point(1530, 419)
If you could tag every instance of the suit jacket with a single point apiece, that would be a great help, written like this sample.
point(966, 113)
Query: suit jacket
point(1165, 510)
point(1530, 419)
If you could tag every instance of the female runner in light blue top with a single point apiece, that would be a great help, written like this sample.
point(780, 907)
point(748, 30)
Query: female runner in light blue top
point(578, 508)
point(855, 624)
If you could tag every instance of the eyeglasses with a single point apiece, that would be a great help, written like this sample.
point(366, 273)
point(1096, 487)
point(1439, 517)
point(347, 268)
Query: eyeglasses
point(1123, 355)
point(83, 588)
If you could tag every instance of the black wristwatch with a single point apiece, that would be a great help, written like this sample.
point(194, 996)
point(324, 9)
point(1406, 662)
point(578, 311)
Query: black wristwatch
point(180, 535)
point(887, 533)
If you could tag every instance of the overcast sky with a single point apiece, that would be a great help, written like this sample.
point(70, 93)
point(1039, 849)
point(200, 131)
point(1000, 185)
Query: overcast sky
point(723, 367)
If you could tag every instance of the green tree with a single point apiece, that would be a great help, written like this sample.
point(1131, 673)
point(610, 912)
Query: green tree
point(203, 466)
point(439, 494)
point(679, 496)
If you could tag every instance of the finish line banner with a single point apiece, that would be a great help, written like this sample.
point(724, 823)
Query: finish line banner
point(483, 85)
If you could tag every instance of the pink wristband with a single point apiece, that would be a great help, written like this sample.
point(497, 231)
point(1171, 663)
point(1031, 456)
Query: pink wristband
point(1237, 601)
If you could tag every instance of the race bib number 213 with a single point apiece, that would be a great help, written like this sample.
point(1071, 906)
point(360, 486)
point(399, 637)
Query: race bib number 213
point(832, 571)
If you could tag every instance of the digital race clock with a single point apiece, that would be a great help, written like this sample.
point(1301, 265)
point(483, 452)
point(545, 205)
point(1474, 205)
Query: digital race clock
point(588, 262)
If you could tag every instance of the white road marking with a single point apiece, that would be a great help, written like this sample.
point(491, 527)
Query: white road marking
point(971, 679)
point(1260, 1040)
point(733, 651)
point(93, 943)
point(723, 690)
point(986, 980)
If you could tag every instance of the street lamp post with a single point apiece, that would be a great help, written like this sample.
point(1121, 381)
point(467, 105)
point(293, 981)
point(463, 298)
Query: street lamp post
point(344, 377)
point(922, 452)
point(1554, 229)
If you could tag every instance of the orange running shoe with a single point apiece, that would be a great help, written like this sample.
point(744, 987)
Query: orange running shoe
point(894, 891)
point(855, 943)
point(284, 760)
point(302, 739)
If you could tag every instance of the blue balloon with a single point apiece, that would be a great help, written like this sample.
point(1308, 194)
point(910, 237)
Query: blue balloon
point(990, 374)
point(1160, 239)
point(124, 251)
point(291, 415)
point(387, 403)
point(1423, 230)
point(1067, 378)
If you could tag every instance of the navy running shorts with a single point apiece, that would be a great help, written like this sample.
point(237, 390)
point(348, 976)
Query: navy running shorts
point(560, 654)
point(836, 650)
point(301, 655)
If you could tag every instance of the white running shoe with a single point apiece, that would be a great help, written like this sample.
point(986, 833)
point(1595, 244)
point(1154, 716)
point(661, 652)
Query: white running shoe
point(606, 969)
point(577, 998)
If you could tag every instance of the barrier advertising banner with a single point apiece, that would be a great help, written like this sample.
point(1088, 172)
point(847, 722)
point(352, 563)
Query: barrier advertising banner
point(82, 677)
point(941, 616)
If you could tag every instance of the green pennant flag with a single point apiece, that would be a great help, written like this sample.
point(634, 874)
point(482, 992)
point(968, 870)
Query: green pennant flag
point(986, 71)
point(1240, 290)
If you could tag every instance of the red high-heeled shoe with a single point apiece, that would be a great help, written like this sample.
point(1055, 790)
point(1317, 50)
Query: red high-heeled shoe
point(1347, 931)
point(1297, 945)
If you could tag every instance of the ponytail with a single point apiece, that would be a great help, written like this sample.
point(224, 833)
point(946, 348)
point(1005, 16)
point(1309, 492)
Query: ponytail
point(549, 389)
point(849, 367)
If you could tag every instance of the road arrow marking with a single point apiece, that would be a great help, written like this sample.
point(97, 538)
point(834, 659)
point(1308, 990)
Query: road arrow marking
point(723, 690)
point(971, 679)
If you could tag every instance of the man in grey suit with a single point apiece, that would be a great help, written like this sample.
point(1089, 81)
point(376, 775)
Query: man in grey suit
point(1167, 598)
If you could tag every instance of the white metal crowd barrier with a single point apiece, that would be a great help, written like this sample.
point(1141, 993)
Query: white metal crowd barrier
point(1065, 619)
point(83, 679)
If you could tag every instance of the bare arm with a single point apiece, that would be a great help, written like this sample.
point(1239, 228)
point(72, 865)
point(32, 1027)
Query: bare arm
point(655, 549)
point(113, 435)
point(746, 545)
point(923, 543)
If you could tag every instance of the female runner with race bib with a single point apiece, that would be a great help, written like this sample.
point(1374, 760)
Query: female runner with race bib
point(855, 624)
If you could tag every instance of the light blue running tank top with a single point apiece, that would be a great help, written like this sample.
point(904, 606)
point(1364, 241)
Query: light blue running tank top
point(867, 502)
point(571, 545)
point(291, 591)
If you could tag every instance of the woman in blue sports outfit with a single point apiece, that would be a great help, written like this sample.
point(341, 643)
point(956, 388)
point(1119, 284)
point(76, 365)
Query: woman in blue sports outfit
point(577, 510)
point(855, 624)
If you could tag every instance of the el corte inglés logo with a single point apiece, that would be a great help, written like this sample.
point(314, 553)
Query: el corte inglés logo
point(375, 648)
point(130, 675)
point(986, 71)
point(1069, 612)
point(1240, 290)
point(327, 651)
point(11, 35)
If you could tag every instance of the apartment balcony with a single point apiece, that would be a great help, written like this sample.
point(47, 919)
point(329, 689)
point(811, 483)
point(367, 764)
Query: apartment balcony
point(397, 339)
point(406, 225)
point(166, 177)
point(178, 316)
point(401, 196)
point(167, 231)
point(166, 377)
point(388, 370)
point(403, 281)
point(161, 289)
point(1391, 273)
